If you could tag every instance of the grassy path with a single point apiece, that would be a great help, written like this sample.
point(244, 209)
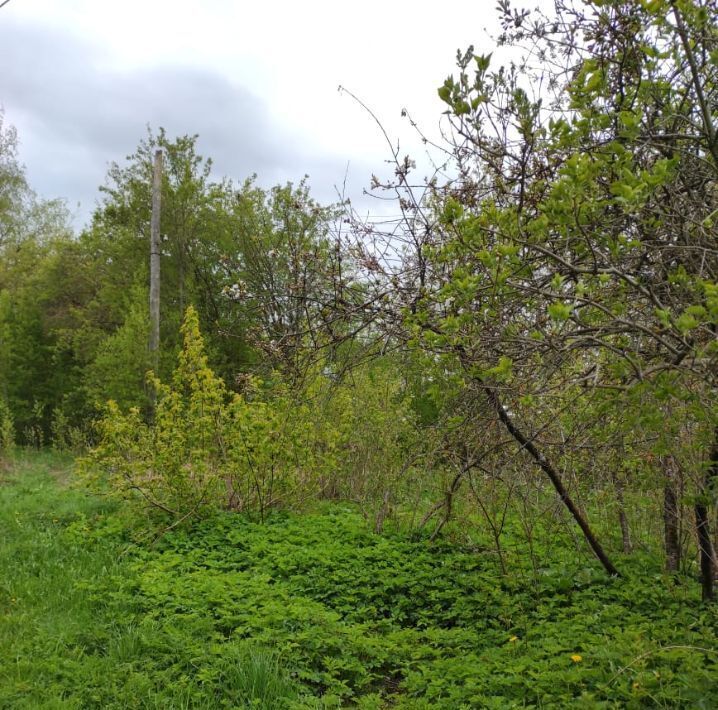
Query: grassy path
point(47, 613)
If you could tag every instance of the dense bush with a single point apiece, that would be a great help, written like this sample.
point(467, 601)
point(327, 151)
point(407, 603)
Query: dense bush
point(268, 447)
point(7, 429)
point(206, 448)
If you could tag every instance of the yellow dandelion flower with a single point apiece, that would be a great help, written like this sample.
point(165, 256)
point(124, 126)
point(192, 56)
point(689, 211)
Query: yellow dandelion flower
point(576, 658)
point(513, 638)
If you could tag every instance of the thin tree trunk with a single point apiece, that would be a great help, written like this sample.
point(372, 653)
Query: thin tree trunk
point(448, 502)
point(671, 516)
point(622, 517)
point(495, 530)
point(155, 250)
point(382, 513)
point(554, 477)
point(706, 551)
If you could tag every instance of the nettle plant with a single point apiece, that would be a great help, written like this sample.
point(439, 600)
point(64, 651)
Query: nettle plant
point(207, 448)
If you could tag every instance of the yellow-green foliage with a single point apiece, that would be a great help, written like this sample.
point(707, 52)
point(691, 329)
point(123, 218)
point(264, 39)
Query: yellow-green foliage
point(271, 452)
point(369, 438)
point(207, 448)
point(269, 447)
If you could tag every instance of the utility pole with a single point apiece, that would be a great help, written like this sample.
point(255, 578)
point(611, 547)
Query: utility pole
point(155, 249)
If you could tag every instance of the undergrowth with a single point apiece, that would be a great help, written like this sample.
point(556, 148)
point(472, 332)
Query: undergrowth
point(315, 611)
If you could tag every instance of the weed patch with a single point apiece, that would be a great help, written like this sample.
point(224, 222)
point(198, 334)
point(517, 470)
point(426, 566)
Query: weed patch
point(315, 611)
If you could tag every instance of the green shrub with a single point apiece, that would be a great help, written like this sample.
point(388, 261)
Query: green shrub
point(7, 429)
point(66, 437)
point(206, 448)
point(122, 360)
point(371, 447)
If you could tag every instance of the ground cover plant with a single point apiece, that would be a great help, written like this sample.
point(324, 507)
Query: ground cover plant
point(317, 610)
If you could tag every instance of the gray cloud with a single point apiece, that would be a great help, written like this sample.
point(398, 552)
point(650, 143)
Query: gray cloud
point(75, 114)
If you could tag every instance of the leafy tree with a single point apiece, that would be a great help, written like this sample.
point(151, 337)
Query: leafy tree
point(281, 274)
point(120, 230)
point(571, 263)
point(30, 231)
point(13, 186)
point(121, 360)
point(255, 263)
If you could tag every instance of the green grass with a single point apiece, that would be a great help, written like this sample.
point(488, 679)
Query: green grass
point(314, 611)
point(70, 635)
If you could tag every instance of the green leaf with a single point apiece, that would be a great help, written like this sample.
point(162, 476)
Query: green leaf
point(560, 311)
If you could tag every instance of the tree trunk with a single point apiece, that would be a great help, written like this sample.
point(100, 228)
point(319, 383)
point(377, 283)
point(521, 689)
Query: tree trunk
point(155, 250)
point(554, 477)
point(448, 501)
point(706, 551)
point(671, 516)
point(622, 517)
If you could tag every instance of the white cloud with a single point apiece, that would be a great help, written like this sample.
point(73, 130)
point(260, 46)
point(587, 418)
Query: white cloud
point(257, 81)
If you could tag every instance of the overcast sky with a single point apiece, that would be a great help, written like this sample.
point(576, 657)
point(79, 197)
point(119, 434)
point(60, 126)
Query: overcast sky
point(81, 80)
